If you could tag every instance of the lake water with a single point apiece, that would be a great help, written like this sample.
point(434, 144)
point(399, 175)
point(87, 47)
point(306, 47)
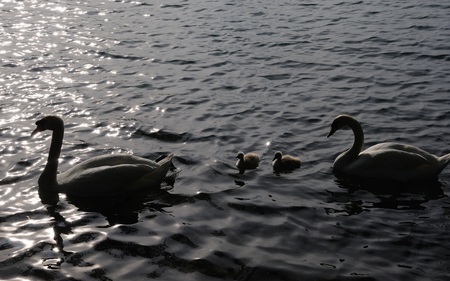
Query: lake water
point(205, 79)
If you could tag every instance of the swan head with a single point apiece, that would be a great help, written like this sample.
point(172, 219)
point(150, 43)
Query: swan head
point(339, 122)
point(240, 155)
point(48, 123)
point(278, 155)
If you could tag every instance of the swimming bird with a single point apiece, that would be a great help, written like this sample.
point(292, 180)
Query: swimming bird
point(101, 176)
point(385, 161)
point(285, 163)
point(247, 161)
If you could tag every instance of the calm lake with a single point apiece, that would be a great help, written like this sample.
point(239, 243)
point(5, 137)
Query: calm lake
point(206, 79)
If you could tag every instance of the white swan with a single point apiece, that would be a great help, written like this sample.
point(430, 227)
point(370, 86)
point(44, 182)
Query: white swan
point(285, 163)
point(247, 161)
point(385, 161)
point(107, 175)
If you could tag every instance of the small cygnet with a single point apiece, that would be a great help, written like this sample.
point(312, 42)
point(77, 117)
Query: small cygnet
point(285, 163)
point(247, 161)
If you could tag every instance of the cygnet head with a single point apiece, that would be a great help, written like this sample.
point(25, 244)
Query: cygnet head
point(240, 155)
point(278, 155)
point(48, 123)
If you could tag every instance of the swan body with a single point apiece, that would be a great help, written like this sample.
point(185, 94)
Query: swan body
point(101, 176)
point(247, 161)
point(385, 161)
point(285, 163)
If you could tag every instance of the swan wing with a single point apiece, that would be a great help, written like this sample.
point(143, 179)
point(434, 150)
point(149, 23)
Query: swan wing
point(408, 151)
point(391, 159)
point(102, 180)
point(109, 160)
point(392, 164)
point(113, 180)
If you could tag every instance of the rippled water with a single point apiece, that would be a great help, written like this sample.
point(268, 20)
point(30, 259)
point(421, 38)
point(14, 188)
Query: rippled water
point(205, 79)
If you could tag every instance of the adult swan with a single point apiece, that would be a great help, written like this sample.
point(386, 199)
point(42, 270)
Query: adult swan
point(385, 161)
point(101, 176)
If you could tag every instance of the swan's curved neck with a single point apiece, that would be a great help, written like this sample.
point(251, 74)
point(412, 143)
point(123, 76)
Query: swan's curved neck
point(358, 143)
point(48, 176)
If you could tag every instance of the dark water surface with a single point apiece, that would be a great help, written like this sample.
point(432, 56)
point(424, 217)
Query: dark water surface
point(205, 79)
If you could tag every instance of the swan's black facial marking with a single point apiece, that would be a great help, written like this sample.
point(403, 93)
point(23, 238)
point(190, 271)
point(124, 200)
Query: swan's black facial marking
point(338, 124)
point(41, 125)
point(49, 123)
point(334, 127)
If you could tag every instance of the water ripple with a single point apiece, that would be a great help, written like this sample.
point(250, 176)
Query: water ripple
point(205, 80)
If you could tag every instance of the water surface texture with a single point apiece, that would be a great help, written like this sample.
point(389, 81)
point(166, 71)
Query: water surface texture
point(205, 79)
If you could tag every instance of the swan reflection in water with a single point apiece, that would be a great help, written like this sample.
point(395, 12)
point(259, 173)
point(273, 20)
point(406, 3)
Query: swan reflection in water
point(116, 210)
point(390, 194)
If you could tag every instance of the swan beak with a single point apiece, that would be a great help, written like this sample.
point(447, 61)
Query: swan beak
point(35, 131)
point(331, 132)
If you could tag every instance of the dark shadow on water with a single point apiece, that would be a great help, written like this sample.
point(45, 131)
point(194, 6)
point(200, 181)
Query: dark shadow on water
point(390, 194)
point(117, 210)
point(120, 209)
point(388, 187)
point(217, 264)
point(123, 209)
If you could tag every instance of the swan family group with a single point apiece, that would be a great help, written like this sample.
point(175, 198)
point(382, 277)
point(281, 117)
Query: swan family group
point(116, 174)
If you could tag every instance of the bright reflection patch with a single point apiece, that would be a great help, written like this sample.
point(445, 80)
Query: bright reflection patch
point(162, 110)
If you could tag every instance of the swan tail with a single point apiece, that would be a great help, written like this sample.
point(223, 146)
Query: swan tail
point(155, 178)
point(443, 161)
point(164, 167)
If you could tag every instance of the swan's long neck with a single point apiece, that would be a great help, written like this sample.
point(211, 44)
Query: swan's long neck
point(342, 161)
point(48, 176)
point(359, 138)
